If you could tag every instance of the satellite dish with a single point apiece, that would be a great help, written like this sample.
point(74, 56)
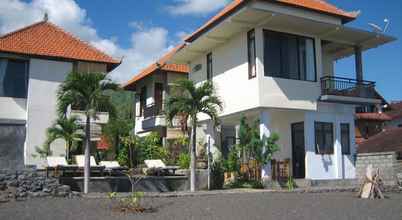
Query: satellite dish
point(378, 29)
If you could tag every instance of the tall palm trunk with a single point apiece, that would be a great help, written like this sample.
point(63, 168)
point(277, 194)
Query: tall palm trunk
point(87, 165)
point(193, 154)
point(68, 149)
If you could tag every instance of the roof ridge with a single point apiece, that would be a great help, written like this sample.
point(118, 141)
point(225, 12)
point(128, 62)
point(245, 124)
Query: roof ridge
point(79, 40)
point(22, 29)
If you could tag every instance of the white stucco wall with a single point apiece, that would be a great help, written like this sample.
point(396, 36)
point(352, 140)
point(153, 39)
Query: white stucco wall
point(230, 75)
point(12, 109)
point(335, 166)
point(45, 76)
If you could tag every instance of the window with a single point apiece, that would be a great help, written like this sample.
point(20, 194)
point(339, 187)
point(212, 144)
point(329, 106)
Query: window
point(324, 138)
point(252, 70)
point(13, 78)
point(143, 100)
point(345, 138)
point(289, 56)
point(209, 66)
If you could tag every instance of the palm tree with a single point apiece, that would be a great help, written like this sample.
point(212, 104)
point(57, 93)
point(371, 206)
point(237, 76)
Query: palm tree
point(87, 92)
point(188, 99)
point(67, 129)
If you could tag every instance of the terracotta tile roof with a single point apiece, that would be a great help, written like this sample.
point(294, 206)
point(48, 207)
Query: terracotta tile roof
point(385, 141)
point(373, 116)
point(161, 64)
point(315, 5)
point(48, 40)
point(396, 110)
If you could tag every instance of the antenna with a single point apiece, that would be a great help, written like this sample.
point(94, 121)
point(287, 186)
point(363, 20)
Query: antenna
point(386, 21)
point(378, 29)
point(46, 17)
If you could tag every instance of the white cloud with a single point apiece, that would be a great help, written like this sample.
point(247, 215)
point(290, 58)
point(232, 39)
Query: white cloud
point(147, 44)
point(196, 7)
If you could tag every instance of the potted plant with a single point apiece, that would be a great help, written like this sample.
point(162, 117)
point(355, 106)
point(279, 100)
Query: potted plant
point(231, 166)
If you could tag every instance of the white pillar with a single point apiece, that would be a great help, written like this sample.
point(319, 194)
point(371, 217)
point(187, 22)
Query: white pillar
point(338, 150)
point(265, 130)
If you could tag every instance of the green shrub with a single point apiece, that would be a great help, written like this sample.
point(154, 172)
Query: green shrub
point(232, 164)
point(241, 183)
point(217, 172)
point(184, 160)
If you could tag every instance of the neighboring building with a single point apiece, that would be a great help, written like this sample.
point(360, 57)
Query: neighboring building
point(151, 87)
point(371, 120)
point(274, 61)
point(34, 61)
point(382, 151)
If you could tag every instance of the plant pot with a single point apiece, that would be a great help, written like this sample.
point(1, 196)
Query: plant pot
point(229, 177)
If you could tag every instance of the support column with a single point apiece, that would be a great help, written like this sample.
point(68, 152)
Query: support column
point(359, 63)
point(265, 130)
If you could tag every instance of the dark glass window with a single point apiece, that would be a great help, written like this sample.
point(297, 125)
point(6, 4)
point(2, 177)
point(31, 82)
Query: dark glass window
point(209, 66)
point(13, 78)
point(324, 138)
point(345, 138)
point(252, 70)
point(289, 56)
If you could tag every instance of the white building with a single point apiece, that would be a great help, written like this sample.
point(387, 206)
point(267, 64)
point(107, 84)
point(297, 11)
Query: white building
point(274, 61)
point(34, 61)
point(151, 86)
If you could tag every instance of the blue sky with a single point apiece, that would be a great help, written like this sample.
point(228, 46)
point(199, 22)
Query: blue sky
point(142, 30)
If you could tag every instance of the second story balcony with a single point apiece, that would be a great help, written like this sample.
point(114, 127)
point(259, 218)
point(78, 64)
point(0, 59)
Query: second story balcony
point(346, 90)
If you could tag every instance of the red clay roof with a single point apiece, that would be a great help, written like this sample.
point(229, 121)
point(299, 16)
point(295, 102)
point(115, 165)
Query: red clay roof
point(315, 5)
point(48, 40)
point(396, 110)
point(161, 64)
point(386, 141)
point(374, 116)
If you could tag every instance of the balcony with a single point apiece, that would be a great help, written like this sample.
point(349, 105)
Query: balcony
point(345, 90)
point(155, 117)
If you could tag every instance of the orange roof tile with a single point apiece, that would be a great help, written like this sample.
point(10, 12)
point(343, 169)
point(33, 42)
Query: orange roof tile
point(373, 116)
point(48, 40)
point(161, 64)
point(315, 5)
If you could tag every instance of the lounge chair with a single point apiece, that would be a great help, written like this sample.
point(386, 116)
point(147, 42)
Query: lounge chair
point(58, 164)
point(159, 165)
point(113, 167)
point(80, 160)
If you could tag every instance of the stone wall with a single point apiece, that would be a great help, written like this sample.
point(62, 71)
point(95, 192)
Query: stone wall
point(29, 183)
point(387, 163)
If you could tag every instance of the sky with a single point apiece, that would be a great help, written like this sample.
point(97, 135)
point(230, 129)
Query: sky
point(140, 31)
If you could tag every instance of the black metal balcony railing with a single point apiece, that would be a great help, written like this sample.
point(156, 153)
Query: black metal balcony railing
point(339, 86)
point(152, 110)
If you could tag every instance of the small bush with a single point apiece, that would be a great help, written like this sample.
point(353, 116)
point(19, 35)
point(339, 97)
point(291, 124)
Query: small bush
point(217, 172)
point(251, 184)
point(184, 161)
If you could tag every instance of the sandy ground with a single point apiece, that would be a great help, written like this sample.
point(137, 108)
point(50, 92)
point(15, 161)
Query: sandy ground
point(246, 206)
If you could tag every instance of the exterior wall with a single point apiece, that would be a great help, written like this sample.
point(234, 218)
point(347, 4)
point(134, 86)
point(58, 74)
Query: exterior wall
point(335, 166)
point(149, 82)
point(87, 67)
point(281, 124)
point(13, 109)
point(286, 93)
point(385, 161)
point(45, 76)
point(230, 75)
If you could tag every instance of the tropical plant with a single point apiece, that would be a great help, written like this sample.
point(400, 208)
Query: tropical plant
point(184, 161)
point(232, 164)
point(137, 149)
point(67, 129)
point(217, 174)
point(87, 92)
point(43, 151)
point(189, 99)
